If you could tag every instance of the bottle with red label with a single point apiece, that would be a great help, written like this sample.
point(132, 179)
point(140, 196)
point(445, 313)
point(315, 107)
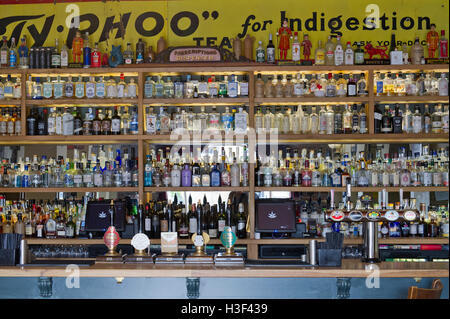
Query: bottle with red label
point(96, 57)
point(443, 46)
point(306, 175)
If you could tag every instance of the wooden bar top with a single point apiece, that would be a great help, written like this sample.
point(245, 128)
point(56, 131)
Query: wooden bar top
point(349, 268)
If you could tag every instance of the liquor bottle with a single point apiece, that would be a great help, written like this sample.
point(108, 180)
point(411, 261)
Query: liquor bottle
point(23, 54)
point(90, 88)
point(121, 87)
point(140, 51)
point(96, 56)
point(128, 55)
point(397, 121)
point(295, 48)
point(417, 52)
point(4, 53)
point(443, 85)
point(417, 121)
point(115, 122)
point(362, 85)
point(355, 119)
point(320, 54)
point(64, 56)
point(352, 87)
point(12, 62)
point(270, 50)
point(445, 119)
point(359, 54)
point(260, 53)
point(329, 52)
point(349, 55)
point(241, 223)
point(192, 219)
point(427, 120)
point(386, 121)
point(443, 46)
point(86, 51)
point(56, 56)
point(47, 89)
point(79, 88)
point(338, 53)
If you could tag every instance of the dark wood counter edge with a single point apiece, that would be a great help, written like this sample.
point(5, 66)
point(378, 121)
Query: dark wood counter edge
point(349, 269)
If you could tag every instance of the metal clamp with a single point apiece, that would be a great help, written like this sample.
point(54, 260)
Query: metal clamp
point(343, 287)
point(193, 288)
point(45, 285)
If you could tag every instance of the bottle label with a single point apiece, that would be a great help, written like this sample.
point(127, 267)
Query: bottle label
point(56, 60)
point(64, 58)
point(221, 225)
point(192, 225)
point(270, 55)
point(115, 125)
point(90, 90)
point(100, 89)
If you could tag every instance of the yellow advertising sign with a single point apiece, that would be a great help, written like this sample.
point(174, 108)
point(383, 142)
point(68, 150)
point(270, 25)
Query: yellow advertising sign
point(209, 23)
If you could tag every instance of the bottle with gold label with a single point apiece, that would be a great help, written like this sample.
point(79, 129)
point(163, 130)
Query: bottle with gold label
point(320, 54)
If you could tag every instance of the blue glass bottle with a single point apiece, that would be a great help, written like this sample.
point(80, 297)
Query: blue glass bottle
point(215, 177)
point(148, 172)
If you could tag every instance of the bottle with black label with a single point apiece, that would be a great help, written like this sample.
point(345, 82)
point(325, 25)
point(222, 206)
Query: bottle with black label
point(32, 123)
point(212, 222)
point(378, 114)
point(156, 230)
point(270, 50)
point(386, 121)
point(355, 119)
point(42, 123)
point(241, 222)
point(115, 123)
point(397, 121)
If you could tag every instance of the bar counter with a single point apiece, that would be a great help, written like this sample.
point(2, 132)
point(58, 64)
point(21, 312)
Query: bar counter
point(349, 269)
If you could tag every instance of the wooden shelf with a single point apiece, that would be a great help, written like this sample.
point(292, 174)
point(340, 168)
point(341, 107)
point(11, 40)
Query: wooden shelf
point(412, 99)
point(75, 101)
point(6, 103)
point(311, 100)
point(67, 189)
point(360, 138)
point(196, 189)
point(72, 139)
point(197, 101)
point(272, 68)
point(354, 189)
point(287, 241)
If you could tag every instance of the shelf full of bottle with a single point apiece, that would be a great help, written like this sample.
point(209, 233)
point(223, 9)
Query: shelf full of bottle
point(405, 118)
point(61, 219)
point(303, 86)
point(10, 89)
point(195, 120)
point(196, 87)
point(194, 168)
point(83, 121)
point(97, 168)
point(365, 167)
point(56, 221)
point(431, 222)
point(410, 84)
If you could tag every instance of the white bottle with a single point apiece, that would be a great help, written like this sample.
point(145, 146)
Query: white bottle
point(338, 53)
point(150, 121)
point(349, 55)
point(240, 121)
point(443, 85)
point(90, 88)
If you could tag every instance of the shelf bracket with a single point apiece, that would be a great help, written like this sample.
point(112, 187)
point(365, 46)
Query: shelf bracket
point(45, 285)
point(193, 288)
point(343, 286)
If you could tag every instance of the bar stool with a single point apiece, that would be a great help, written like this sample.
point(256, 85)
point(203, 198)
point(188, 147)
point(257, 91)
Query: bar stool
point(421, 293)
